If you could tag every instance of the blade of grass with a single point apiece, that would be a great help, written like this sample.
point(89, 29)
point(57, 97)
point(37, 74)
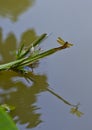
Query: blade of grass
point(11, 64)
point(33, 59)
point(23, 52)
point(20, 50)
point(38, 40)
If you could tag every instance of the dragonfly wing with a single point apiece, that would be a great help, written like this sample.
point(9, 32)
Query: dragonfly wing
point(60, 40)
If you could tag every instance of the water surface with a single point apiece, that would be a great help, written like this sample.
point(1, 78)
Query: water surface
point(68, 73)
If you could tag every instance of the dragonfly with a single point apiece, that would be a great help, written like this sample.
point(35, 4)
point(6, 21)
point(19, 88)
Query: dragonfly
point(62, 42)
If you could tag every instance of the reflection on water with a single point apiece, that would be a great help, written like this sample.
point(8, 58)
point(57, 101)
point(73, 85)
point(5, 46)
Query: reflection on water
point(22, 93)
point(22, 97)
point(7, 47)
point(71, 73)
point(13, 8)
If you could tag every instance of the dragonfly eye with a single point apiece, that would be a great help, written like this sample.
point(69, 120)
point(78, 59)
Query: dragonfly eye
point(67, 42)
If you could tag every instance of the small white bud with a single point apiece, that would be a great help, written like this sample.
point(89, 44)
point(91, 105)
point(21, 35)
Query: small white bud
point(32, 49)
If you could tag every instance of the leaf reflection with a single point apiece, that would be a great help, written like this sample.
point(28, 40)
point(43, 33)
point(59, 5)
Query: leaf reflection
point(24, 98)
point(9, 9)
point(10, 44)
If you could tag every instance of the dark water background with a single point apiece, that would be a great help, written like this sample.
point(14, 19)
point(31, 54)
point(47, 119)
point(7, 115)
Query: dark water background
point(68, 72)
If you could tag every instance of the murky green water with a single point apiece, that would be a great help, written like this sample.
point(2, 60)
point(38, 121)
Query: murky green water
point(68, 73)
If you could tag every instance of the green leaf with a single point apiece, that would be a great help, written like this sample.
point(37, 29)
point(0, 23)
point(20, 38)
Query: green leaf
point(6, 123)
point(38, 40)
point(22, 52)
